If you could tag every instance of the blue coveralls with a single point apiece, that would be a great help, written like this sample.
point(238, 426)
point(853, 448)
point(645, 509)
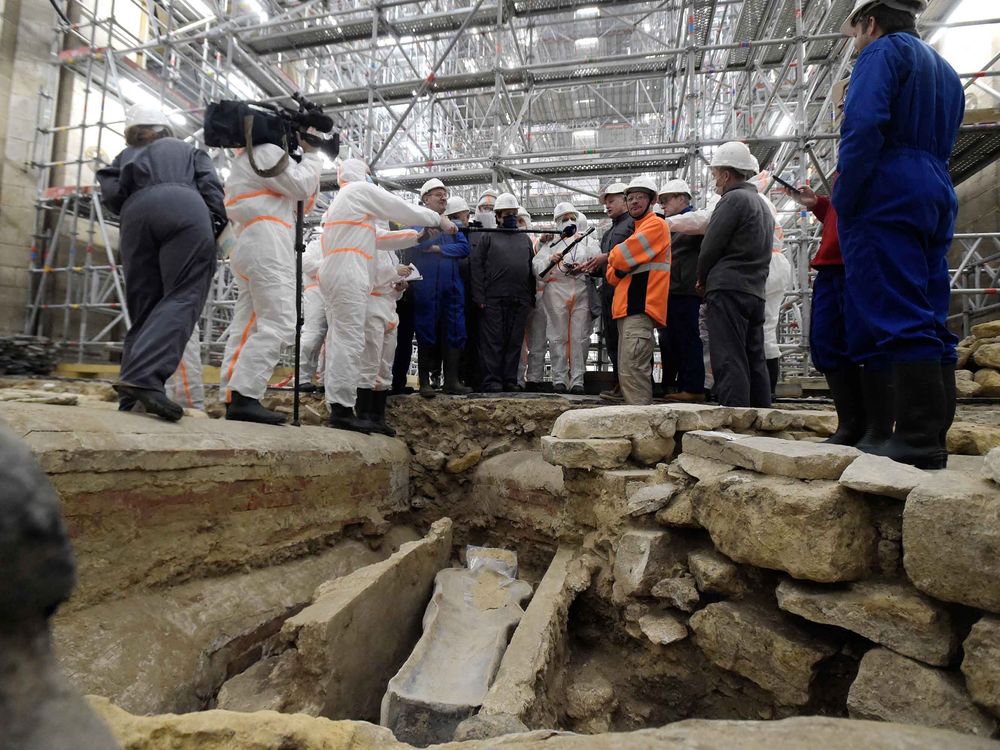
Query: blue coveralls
point(439, 298)
point(894, 199)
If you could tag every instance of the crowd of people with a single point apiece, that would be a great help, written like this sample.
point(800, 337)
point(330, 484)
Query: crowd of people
point(488, 297)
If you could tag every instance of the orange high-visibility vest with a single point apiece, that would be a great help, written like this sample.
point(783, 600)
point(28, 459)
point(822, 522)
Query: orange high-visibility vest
point(639, 269)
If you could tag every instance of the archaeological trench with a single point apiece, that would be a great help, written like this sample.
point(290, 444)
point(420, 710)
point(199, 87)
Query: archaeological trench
point(524, 572)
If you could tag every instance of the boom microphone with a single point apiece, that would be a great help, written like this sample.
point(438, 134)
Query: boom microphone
point(319, 121)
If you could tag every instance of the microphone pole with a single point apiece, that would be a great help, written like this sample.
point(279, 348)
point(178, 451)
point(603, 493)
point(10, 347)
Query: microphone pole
point(569, 247)
point(300, 248)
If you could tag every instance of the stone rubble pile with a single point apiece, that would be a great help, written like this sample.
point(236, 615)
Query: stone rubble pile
point(788, 561)
point(978, 366)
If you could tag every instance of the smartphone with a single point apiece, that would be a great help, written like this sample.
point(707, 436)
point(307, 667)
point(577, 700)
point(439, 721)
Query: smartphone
point(786, 184)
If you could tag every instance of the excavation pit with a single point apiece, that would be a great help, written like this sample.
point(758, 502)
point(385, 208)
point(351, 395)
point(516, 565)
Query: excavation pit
point(684, 563)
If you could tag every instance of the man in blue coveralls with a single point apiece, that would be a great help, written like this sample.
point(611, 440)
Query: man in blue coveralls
point(896, 209)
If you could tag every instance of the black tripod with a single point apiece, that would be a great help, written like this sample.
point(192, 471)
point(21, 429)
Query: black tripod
point(300, 248)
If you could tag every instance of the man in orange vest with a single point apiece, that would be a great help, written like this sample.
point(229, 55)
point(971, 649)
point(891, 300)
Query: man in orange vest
point(639, 269)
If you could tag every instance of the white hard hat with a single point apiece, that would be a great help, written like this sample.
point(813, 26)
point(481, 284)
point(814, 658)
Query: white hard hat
point(431, 184)
point(144, 114)
point(562, 208)
point(486, 193)
point(736, 155)
point(615, 188)
point(910, 6)
point(522, 211)
point(456, 203)
point(675, 187)
point(505, 200)
point(643, 183)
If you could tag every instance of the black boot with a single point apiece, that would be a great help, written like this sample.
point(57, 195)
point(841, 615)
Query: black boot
point(244, 409)
point(879, 408)
point(848, 400)
point(921, 413)
point(342, 418)
point(154, 402)
point(363, 404)
point(950, 401)
point(425, 358)
point(452, 385)
point(377, 415)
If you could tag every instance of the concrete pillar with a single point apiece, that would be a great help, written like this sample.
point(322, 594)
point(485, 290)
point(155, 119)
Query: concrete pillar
point(26, 32)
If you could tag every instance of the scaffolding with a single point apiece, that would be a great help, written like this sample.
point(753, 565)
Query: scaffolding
point(548, 99)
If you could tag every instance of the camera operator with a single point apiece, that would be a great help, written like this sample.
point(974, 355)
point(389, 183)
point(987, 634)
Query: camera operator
point(263, 263)
point(170, 201)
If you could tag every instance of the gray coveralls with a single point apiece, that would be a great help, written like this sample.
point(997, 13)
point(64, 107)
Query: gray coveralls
point(171, 205)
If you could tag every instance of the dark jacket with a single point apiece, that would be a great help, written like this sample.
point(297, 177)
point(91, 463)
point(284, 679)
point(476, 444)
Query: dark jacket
point(164, 161)
point(621, 229)
point(736, 250)
point(501, 269)
point(684, 250)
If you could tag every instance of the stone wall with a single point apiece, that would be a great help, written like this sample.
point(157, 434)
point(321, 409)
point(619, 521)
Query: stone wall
point(830, 580)
point(150, 503)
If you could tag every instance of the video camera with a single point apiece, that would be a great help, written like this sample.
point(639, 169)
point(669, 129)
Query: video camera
point(238, 124)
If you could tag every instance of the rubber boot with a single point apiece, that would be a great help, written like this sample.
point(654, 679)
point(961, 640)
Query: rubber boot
point(377, 415)
point(154, 402)
point(244, 409)
point(848, 399)
point(879, 408)
point(363, 404)
point(921, 411)
point(424, 360)
point(452, 385)
point(950, 401)
point(342, 418)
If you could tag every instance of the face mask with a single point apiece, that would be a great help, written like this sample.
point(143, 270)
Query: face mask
point(510, 222)
point(457, 222)
point(487, 218)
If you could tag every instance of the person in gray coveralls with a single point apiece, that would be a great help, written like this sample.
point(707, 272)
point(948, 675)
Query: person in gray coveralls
point(171, 206)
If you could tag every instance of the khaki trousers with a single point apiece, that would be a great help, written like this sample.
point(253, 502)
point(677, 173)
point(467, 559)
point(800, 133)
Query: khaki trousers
point(635, 358)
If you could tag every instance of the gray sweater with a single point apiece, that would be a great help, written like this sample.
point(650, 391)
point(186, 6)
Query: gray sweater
point(736, 251)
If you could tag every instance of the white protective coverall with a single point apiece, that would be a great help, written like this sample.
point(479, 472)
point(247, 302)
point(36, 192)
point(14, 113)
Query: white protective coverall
point(347, 273)
point(381, 322)
point(263, 263)
point(566, 302)
point(779, 280)
point(186, 386)
point(532, 368)
point(313, 312)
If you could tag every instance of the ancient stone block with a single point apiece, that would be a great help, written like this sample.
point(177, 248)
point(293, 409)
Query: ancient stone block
point(680, 592)
point(964, 355)
point(878, 475)
point(642, 558)
point(986, 330)
point(777, 420)
point(973, 439)
point(981, 665)
point(790, 458)
point(615, 422)
point(662, 628)
point(486, 726)
point(991, 466)
point(536, 652)
point(988, 379)
point(951, 535)
point(471, 613)
point(679, 512)
point(464, 462)
point(893, 614)
point(741, 419)
point(650, 498)
point(698, 416)
point(762, 645)
point(714, 573)
point(335, 657)
point(586, 453)
point(890, 687)
point(649, 449)
point(818, 530)
point(968, 388)
point(987, 355)
point(702, 468)
point(225, 729)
